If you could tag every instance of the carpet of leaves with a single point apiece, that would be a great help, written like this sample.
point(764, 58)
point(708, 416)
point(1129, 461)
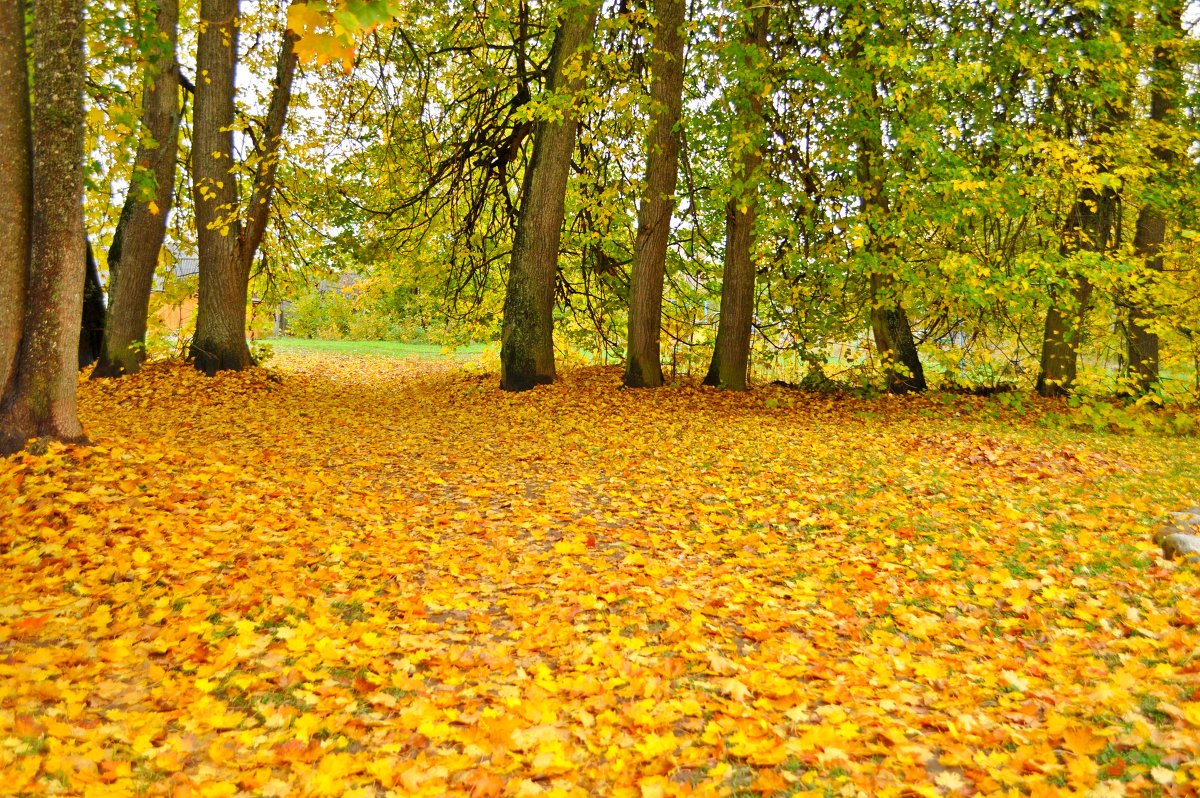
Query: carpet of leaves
point(382, 577)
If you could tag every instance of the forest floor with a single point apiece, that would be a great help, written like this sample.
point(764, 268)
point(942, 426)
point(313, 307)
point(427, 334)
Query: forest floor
point(363, 577)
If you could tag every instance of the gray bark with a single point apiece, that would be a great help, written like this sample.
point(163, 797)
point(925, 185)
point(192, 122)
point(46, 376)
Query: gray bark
point(643, 367)
point(41, 402)
point(527, 340)
point(140, 231)
point(731, 353)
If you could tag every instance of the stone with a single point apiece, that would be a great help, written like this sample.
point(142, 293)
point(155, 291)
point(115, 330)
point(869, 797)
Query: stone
point(1185, 547)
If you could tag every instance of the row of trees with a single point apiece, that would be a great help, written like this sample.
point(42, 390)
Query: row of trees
point(915, 168)
point(42, 278)
point(928, 171)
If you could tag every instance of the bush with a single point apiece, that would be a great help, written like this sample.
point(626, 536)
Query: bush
point(328, 315)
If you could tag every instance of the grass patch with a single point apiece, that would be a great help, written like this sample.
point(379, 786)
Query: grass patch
point(305, 346)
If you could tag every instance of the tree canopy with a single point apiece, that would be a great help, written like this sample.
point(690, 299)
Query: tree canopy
point(971, 195)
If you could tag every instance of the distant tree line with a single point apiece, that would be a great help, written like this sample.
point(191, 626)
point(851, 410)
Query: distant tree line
point(1016, 176)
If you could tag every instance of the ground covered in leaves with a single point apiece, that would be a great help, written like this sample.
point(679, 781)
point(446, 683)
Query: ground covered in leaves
point(382, 577)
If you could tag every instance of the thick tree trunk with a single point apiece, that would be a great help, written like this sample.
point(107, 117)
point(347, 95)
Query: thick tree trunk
point(731, 354)
point(894, 339)
point(91, 328)
point(643, 363)
point(220, 339)
point(142, 226)
point(1165, 81)
point(16, 197)
point(42, 400)
point(1089, 228)
point(527, 341)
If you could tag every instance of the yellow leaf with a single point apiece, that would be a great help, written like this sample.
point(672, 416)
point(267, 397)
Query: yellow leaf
point(949, 780)
point(1083, 742)
point(303, 18)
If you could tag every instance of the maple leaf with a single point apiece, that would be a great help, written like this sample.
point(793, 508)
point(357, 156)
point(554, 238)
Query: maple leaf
point(1083, 742)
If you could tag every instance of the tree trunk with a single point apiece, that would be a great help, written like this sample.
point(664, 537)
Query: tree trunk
point(894, 339)
point(1165, 82)
point(15, 187)
point(1089, 228)
point(1142, 343)
point(731, 354)
point(894, 342)
point(220, 340)
point(142, 226)
point(527, 340)
point(91, 328)
point(264, 177)
point(42, 399)
point(643, 367)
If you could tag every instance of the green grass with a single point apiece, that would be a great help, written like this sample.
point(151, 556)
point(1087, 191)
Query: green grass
point(370, 348)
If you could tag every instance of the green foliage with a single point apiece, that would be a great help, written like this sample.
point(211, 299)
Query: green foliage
point(406, 166)
point(1138, 418)
point(321, 315)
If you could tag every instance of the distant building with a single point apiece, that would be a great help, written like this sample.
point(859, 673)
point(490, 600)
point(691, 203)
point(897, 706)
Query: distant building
point(184, 266)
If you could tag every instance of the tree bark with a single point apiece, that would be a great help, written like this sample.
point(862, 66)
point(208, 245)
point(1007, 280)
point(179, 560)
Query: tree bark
point(894, 342)
point(142, 226)
point(1142, 351)
point(91, 328)
point(731, 354)
point(42, 400)
point(894, 339)
point(527, 339)
point(264, 177)
point(16, 190)
point(1089, 228)
point(220, 339)
point(643, 366)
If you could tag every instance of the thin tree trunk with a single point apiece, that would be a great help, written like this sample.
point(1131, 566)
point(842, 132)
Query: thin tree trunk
point(220, 339)
point(731, 354)
point(91, 328)
point(643, 366)
point(16, 192)
point(527, 340)
point(42, 399)
point(264, 177)
point(1165, 80)
point(1142, 344)
point(1089, 228)
point(142, 226)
